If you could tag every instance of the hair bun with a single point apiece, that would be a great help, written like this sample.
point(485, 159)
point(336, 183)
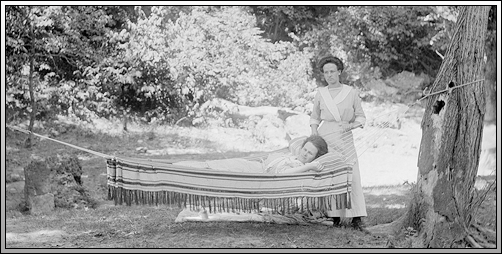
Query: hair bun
point(330, 59)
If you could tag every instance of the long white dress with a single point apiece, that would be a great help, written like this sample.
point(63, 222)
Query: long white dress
point(349, 109)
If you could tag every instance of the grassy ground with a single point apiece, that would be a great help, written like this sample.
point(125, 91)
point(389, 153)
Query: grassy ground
point(110, 226)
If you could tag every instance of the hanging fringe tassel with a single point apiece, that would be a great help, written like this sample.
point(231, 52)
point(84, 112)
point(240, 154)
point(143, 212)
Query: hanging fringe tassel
point(190, 201)
point(221, 204)
point(349, 201)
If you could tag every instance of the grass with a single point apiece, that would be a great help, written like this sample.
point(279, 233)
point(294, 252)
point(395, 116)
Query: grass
point(384, 204)
point(109, 226)
point(153, 227)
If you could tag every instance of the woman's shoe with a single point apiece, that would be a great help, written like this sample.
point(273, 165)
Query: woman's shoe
point(337, 222)
point(358, 224)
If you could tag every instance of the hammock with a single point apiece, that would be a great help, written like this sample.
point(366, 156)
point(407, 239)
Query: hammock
point(219, 188)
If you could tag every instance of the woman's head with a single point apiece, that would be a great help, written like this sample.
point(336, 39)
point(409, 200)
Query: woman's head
point(313, 147)
point(330, 59)
point(331, 67)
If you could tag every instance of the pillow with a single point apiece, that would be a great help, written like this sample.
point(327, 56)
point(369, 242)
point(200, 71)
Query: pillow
point(296, 143)
point(332, 160)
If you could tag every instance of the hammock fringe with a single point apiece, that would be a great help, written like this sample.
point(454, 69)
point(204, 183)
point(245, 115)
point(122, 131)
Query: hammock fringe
point(142, 187)
point(221, 204)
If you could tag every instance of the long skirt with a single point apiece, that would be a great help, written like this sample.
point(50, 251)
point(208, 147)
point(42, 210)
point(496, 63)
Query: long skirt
point(344, 142)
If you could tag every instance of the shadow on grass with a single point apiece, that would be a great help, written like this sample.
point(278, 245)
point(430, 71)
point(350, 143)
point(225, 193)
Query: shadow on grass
point(385, 204)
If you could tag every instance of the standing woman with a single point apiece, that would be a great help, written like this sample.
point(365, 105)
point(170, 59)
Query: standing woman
point(337, 110)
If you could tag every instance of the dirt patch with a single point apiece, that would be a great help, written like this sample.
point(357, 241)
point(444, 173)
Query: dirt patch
point(47, 238)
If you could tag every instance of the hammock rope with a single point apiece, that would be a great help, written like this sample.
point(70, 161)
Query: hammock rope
point(61, 142)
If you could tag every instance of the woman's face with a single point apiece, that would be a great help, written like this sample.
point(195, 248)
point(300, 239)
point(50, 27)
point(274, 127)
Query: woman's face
point(331, 73)
point(308, 153)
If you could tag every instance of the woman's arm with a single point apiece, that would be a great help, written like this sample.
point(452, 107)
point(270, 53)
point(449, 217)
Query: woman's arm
point(311, 166)
point(360, 117)
point(315, 117)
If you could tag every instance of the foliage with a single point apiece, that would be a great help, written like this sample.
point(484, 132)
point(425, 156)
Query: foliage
point(166, 70)
point(163, 63)
point(219, 55)
point(384, 40)
point(64, 39)
point(278, 22)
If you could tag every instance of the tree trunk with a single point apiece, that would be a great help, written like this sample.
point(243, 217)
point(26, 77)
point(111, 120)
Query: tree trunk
point(452, 127)
point(33, 112)
point(491, 73)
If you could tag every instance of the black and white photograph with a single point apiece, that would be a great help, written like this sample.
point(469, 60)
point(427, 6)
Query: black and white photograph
point(294, 126)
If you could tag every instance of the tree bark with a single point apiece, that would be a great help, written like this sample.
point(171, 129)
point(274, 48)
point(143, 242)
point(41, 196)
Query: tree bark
point(491, 71)
point(452, 128)
point(31, 88)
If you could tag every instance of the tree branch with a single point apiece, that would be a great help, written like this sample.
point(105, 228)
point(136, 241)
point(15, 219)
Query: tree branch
point(71, 62)
point(485, 231)
point(472, 242)
point(482, 241)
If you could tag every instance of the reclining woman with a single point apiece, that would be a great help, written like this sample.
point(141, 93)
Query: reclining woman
point(298, 160)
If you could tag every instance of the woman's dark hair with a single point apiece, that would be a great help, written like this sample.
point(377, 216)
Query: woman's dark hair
point(319, 143)
point(330, 59)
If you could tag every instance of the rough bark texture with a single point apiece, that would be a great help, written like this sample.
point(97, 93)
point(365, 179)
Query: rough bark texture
point(33, 101)
point(451, 137)
point(491, 69)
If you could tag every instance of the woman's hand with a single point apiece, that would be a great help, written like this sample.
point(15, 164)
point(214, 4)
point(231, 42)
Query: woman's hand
point(347, 127)
point(313, 128)
point(350, 126)
point(315, 166)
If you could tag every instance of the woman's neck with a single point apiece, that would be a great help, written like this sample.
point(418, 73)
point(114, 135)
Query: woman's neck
point(337, 85)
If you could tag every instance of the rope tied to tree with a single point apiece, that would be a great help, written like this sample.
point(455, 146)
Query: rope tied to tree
point(61, 142)
point(427, 93)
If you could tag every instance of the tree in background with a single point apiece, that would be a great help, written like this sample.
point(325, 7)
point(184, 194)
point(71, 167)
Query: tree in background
point(45, 48)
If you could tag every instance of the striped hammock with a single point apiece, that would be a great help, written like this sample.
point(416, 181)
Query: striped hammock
point(154, 182)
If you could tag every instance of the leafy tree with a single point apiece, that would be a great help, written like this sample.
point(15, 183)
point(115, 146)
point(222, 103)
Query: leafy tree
point(56, 42)
point(43, 47)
